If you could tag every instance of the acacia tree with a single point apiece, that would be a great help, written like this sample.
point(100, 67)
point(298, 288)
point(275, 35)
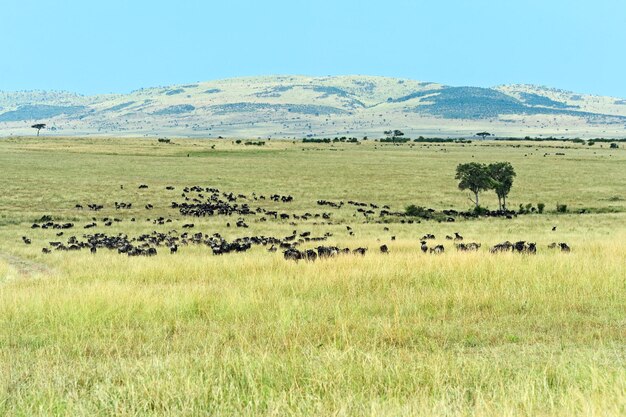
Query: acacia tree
point(502, 174)
point(38, 126)
point(474, 177)
point(483, 134)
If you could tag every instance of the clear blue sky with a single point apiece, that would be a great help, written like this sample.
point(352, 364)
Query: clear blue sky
point(116, 46)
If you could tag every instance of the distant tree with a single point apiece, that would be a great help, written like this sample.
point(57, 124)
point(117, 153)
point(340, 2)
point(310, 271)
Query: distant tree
point(394, 133)
point(483, 134)
point(502, 174)
point(39, 126)
point(474, 177)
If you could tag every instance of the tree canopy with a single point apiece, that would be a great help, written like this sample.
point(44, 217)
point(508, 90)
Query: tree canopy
point(502, 174)
point(38, 126)
point(475, 177)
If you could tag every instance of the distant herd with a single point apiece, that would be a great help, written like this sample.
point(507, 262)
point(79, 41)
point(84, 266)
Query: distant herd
point(203, 202)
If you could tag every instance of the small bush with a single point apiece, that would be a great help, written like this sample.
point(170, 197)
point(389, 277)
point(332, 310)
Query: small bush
point(415, 211)
point(479, 210)
point(561, 208)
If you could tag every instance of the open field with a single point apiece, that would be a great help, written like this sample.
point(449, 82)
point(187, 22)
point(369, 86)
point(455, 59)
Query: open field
point(404, 333)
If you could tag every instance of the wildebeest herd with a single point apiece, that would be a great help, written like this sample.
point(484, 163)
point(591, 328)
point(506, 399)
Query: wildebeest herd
point(207, 201)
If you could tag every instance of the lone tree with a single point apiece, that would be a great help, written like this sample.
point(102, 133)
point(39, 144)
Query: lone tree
point(502, 174)
point(483, 134)
point(39, 126)
point(474, 177)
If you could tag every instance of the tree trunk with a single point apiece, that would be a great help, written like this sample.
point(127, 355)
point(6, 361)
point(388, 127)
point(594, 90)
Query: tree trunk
point(476, 194)
point(38, 132)
point(503, 202)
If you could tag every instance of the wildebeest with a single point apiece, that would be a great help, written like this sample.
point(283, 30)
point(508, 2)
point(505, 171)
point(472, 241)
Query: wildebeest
point(466, 247)
point(502, 247)
point(359, 251)
point(292, 255)
point(564, 247)
point(437, 249)
point(520, 247)
point(384, 249)
point(327, 251)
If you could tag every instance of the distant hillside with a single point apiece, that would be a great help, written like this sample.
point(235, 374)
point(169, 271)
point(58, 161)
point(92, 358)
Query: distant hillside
point(299, 106)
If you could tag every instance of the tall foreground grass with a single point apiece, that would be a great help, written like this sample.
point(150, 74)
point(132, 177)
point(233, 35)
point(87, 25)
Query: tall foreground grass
point(403, 334)
point(191, 334)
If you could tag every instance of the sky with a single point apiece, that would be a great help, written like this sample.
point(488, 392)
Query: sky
point(95, 46)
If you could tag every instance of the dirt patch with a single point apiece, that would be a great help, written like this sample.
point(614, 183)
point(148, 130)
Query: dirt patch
point(26, 268)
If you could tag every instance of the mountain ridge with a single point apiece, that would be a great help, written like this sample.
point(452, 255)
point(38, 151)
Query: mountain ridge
point(302, 106)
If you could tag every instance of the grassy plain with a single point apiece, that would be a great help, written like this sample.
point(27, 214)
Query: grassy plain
point(251, 334)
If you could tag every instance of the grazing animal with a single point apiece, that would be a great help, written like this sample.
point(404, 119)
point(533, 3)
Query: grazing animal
point(457, 236)
point(384, 249)
point(424, 248)
point(437, 249)
point(309, 255)
point(46, 250)
point(502, 247)
point(564, 247)
point(327, 251)
point(359, 251)
point(554, 228)
point(292, 255)
point(467, 247)
point(26, 240)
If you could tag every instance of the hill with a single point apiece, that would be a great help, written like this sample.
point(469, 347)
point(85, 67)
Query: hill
point(300, 106)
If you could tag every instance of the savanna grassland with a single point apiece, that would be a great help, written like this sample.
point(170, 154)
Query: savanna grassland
point(404, 333)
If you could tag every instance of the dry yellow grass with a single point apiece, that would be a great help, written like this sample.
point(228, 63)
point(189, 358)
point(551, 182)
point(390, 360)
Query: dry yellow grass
point(461, 334)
